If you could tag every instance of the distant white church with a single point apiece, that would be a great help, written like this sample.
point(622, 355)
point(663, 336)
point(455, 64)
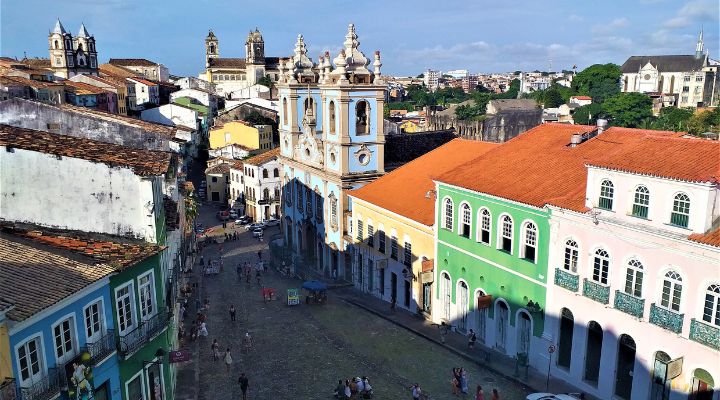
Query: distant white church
point(676, 80)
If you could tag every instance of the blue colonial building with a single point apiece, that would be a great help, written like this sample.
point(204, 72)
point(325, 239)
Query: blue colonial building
point(56, 329)
point(331, 141)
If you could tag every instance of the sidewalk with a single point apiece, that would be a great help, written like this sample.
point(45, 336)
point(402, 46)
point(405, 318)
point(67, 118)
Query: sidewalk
point(457, 343)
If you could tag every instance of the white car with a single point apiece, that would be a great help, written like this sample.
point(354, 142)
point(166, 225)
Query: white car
point(272, 222)
point(550, 396)
point(256, 225)
point(257, 232)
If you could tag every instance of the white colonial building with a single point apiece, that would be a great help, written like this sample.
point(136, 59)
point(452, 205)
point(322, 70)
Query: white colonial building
point(331, 141)
point(634, 311)
point(677, 80)
point(256, 183)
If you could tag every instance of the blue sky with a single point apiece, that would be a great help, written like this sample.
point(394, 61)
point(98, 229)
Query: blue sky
point(482, 36)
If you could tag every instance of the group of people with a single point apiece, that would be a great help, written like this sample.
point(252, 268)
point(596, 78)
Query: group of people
point(459, 381)
point(232, 236)
point(354, 388)
point(227, 358)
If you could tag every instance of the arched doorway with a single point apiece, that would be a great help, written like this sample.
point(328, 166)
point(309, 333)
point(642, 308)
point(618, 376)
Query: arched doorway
point(567, 326)
point(481, 315)
point(445, 293)
point(625, 367)
point(524, 326)
point(593, 353)
point(702, 385)
point(502, 318)
point(462, 299)
point(660, 389)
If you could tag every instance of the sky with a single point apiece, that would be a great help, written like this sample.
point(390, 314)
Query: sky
point(477, 35)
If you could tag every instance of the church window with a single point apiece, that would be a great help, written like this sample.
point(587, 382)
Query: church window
point(309, 104)
point(232, 77)
point(319, 208)
point(80, 48)
point(265, 173)
point(362, 118)
point(212, 49)
point(299, 197)
point(56, 44)
point(285, 111)
point(331, 113)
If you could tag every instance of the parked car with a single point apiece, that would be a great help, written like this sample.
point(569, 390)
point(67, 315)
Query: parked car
point(272, 222)
point(550, 396)
point(244, 220)
point(257, 232)
point(233, 214)
point(222, 215)
point(256, 225)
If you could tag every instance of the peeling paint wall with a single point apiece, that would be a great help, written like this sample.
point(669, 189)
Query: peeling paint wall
point(39, 116)
point(70, 193)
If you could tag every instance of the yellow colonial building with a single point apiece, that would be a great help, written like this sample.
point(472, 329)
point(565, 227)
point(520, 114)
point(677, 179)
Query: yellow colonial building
point(252, 137)
point(393, 227)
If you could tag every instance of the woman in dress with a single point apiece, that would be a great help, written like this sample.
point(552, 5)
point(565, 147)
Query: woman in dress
point(228, 359)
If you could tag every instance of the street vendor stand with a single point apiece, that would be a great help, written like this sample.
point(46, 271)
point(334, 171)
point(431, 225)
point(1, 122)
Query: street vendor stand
point(213, 268)
point(317, 292)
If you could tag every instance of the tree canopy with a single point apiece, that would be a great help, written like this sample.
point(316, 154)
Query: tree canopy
point(599, 81)
point(630, 110)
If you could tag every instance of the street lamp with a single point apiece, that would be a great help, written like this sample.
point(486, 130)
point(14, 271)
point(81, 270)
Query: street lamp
point(159, 354)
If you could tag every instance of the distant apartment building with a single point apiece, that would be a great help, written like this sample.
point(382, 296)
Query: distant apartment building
point(432, 79)
point(458, 73)
point(531, 82)
point(470, 82)
point(144, 68)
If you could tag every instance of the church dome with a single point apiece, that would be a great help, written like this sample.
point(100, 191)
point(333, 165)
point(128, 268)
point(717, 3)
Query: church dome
point(255, 36)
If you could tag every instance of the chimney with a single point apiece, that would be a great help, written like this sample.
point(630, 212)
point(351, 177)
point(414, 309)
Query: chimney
point(575, 139)
point(601, 125)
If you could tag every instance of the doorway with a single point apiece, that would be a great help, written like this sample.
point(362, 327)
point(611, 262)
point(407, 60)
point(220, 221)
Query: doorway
point(463, 303)
point(593, 352)
point(502, 319)
point(625, 367)
point(702, 385)
point(445, 293)
point(567, 327)
point(524, 326)
point(393, 287)
point(408, 293)
point(481, 315)
point(660, 384)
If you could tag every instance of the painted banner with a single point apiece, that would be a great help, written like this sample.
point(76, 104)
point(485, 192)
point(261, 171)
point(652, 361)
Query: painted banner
point(293, 297)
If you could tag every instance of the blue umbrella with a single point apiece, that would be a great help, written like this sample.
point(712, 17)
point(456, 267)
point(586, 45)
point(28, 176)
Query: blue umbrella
point(314, 286)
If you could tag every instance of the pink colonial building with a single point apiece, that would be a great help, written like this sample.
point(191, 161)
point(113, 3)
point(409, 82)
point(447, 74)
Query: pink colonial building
point(634, 307)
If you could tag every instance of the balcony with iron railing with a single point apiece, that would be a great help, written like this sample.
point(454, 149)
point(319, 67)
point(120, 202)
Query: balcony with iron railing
point(143, 334)
point(8, 390)
point(629, 304)
point(704, 333)
point(46, 387)
point(666, 319)
point(596, 291)
point(101, 348)
point(567, 280)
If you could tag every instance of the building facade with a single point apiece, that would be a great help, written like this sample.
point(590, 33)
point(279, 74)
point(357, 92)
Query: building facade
point(144, 68)
point(70, 56)
point(253, 137)
point(331, 140)
point(261, 184)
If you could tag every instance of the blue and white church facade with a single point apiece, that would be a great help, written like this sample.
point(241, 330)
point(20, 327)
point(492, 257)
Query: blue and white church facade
point(332, 141)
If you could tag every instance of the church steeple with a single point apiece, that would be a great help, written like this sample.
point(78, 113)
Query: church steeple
point(699, 46)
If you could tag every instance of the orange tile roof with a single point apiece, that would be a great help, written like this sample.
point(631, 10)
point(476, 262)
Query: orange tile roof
point(403, 190)
point(144, 81)
point(86, 87)
point(581, 97)
point(539, 168)
point(142, 162)
point(30, 82)
point(218, 169)
point(117, 71)
point(263, 157)
point(711, 237)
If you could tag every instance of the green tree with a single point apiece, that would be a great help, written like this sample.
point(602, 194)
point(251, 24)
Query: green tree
point(628, 109)
point(587, 115)
point(673, 119)
point(552, 98)
point(266, 81)
point(599, 81)
point(511, 93)
point(704, 121)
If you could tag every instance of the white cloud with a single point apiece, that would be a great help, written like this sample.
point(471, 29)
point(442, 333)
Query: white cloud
point(612, 26)
point(694, 12)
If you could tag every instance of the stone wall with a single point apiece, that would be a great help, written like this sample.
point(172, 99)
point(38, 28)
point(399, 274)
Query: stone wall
point(403, 148)
point(498, 128)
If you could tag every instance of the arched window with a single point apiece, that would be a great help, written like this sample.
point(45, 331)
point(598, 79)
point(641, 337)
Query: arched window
point(606, 195)
point(333, 210)
point(362, 118)
point(309, 201)
point(681, 210)
point(381, 240)
point(310, 105)
point(641, 202)
point(331, 118)
point(285, 111)
point(448, 214)
point(506, 233)
point(212, 48)
point(371, 235)
point(529, 242)
point(466, 220)
point(266, 193)
point(319, 207)
point(671, 291)
point(601, 266)
point(300, 193)
point(265, 173)
point(711, 311)
point(56, 44)
point(572, 253)
point(485, 225)
point(276, 173)
point(634, 278)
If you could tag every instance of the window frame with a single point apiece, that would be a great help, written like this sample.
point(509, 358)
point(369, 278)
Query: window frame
point(603, 268)
point(394, 246)
point(674, 282)
point(482, 217)
point(92, 338)
point(67, 355)
point(634, 276)
point(501, 233)
point(675, 213)
point(382, 240)
point(371, 234)
point(41, 361)
point(153, 298)
point(465, 219)
point(568, 258)
point(714, 307)
point(360, 232)
point(638, 206)
point(606, 197)
point(448, 215)
point(407, 252)
point(525, 245)
point(130, 285)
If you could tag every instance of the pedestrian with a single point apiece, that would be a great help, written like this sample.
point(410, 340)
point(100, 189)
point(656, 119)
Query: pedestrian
point(181, 333)
point(479, 395)
point(393, 303)
point(238, 271)
point(232, 312)
point(264, 266)
point(215, 348)
point(259, 254)
point(202, 261)
point(257, 277)
point(206, 307)
point(340, 390)
point(202, 330)
point(347, 391)
point(455, 381)
point(416, 391)
point(463, 381)
point(443, 332)
point(228, 359)
point(243, 381)
point(182, 313)
point(197, 304)
point(495, 395)
point(472, 338)
point(247, 342)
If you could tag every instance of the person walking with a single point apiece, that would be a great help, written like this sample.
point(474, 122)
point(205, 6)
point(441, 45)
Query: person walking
point(472, 338)
point(228, 359)
point(244, 385)
point(479, 395)
point(202, 330)
point(215, 348)
point(232, 312)
point(495, 395)
point(455, 381)
point(443, 332)
point(463, 381)
point(259, 254)
point(416, 391)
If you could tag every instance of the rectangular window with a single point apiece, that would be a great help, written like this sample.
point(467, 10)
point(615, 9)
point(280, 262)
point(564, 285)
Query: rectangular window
point(381, 241)
point(29, 360)
point(371, 236)
point(123, 303)
point(640, 210)
point(135, 390)
point(93, 321)
point(63, 334)
point(633, 282)
point(145, 287)
point(394, 248)
point(360, 235)
point(407, 256)
point(571, 259)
